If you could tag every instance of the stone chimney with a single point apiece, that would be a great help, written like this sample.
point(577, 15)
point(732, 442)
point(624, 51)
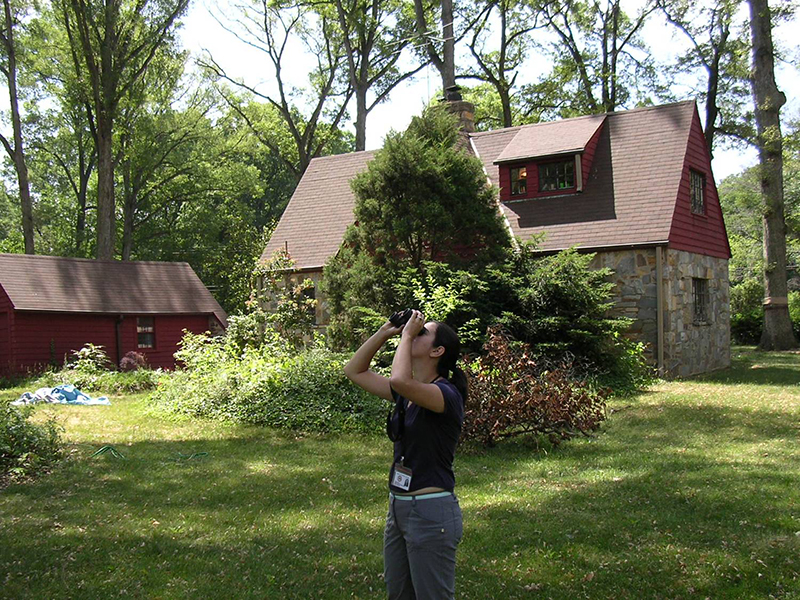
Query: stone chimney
point(465, 111)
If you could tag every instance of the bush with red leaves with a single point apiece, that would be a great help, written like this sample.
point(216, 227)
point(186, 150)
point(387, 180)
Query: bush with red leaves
point(133, 361)
point(511, 394)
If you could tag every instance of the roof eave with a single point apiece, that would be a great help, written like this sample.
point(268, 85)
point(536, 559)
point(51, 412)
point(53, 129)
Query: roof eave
point(505, 161)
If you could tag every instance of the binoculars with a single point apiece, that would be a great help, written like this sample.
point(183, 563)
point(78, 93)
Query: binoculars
point(401, 317)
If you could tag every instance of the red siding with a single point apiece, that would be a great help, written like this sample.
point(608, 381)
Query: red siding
point(168, 332)
point(504, 172)
point(702, 234)
point(588, 154)
point(5, 343)
point(41, 338)
point(532, 179)
point(6, 321)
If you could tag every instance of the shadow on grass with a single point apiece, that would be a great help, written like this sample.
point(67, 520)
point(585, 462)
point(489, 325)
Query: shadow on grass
point(668, 501)
point(255, 517)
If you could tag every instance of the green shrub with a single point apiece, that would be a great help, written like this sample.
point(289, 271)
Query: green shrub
point(562, 309)
point(794, 313)
point(90, 359)
point(747, 311)
point(272, 386)
point(26, 448)
point(102, 382)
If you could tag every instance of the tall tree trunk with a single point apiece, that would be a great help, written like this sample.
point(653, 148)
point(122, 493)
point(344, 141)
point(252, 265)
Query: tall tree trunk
point(106, 221)
point(768, 100)
point(711, 108)
point(17, 153)
point(449, 50)
point(505, 100)
point(84, 174)
point(361, 116)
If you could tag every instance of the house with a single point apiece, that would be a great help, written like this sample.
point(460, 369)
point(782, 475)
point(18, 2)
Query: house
point(635, 187)
point(50, 306)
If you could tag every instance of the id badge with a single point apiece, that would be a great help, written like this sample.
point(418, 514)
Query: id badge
point(402, 477)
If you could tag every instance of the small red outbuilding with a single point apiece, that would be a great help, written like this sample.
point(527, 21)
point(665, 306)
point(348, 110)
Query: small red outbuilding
point(50, 306)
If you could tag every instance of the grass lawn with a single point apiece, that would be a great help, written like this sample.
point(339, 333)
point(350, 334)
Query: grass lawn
point(691, 490)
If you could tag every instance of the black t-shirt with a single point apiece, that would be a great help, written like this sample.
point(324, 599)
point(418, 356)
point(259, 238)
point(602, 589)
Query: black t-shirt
point(429, 442)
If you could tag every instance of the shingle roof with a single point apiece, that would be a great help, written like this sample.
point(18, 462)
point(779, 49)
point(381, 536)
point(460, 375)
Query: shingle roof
point(312, 226)
point(56, 284)
point(629, 196)
point(547, 139)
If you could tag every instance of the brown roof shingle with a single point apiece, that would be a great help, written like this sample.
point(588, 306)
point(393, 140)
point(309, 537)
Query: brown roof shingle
point(321, 208)
point(57, 284)
point(629, 196)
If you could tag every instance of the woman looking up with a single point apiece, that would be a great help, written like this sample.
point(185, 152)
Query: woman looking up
point(423, 525)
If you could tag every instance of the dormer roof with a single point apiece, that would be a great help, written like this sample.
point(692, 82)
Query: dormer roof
point(551, 139)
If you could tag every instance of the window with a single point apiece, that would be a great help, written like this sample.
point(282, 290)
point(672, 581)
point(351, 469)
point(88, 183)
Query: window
point(557, 176)
point(519, 181)
point(698, 186)
point(310, 293)
point(145, 332)
point(700, 298)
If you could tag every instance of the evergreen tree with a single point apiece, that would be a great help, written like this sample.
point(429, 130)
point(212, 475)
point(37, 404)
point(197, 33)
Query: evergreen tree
point(424, 197)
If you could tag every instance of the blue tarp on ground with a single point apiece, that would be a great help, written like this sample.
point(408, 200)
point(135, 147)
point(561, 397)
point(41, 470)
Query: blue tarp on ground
point(61, 394)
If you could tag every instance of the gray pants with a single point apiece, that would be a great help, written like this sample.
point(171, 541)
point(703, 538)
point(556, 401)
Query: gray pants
point(419, 548)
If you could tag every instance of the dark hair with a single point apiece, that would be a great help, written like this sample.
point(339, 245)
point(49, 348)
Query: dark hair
point(448, 339)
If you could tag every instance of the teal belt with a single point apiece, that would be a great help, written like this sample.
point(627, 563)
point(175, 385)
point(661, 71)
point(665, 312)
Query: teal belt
point(421, 496)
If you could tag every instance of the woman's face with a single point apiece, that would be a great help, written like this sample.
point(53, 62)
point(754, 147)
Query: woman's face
point(422, 347)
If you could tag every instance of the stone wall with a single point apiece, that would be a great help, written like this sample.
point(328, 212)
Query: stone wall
point(689, 347)
point(695, 347)
point(634, 293)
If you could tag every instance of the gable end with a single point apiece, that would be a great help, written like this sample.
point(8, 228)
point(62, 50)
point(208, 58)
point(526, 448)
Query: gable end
point(690, 230)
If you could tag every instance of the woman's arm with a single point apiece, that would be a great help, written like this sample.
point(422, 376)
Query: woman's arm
point(357, 368)
point(426, 395)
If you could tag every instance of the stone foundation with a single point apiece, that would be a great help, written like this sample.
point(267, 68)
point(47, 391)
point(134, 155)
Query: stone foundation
point(690, 347)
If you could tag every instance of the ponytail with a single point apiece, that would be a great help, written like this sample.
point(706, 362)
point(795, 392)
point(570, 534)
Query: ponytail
point(448, 339)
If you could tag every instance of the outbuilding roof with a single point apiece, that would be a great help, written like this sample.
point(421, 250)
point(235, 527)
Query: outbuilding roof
point(79, 285)
point(629, 197)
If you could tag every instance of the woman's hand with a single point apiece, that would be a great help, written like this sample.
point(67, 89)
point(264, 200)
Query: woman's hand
point(414, 325)
point(389, 330)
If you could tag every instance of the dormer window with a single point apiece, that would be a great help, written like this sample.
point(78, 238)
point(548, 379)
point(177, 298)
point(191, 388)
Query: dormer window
point(557, 176)
point(519, 181)
point(548, 159)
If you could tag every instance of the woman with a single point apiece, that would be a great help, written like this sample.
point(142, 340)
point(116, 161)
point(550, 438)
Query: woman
point(423, 527)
